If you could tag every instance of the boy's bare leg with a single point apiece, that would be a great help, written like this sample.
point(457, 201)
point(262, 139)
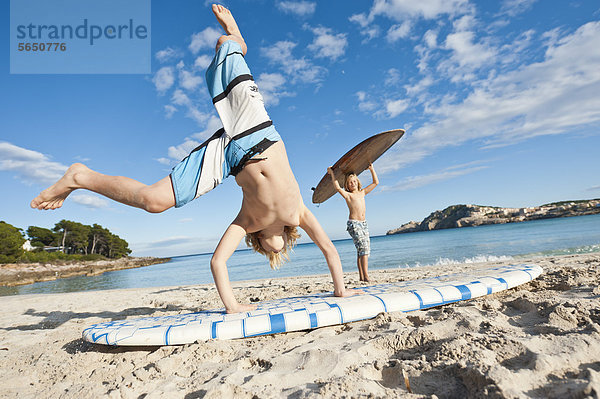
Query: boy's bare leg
point(366, 268)
point(363, 264)
point(360, 270)
point(230, 26)
point(154, 198)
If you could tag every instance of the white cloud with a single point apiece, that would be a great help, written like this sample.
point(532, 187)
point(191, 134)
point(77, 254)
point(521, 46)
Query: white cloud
point(370, 31)
point(466, 52)
point(300, 8)
point(397, 32)
point(167, 54)
point(419, 87)
point(407, 12)
point(387, 109)
point(280, 50)
point(212, 125)
point(510, 52)
point(180, 98)
point(428, 9)
point(169, 111)
point(206, 39)
point(165, 161)
point(365, 104)
point(430, 38)
point(327, 44)
point(90, 200)
point(30, 166)
point(298, 69)
point(271, 87)
point(202, 61)
point(182, 150)
point(163, 79)
point(515, 7)
point(177, 152)
point(393, 77)
point(555, 95)
point(412, 182)
point(393, 108)
point(188, 80)
point(170, 241)
point(361, 19)
point(195, 114)
point(466, 22)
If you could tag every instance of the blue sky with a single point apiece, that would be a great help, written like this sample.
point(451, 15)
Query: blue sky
point(499, 100)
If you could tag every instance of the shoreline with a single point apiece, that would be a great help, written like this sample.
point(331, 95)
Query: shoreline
point(15, 274)
point(540, 339)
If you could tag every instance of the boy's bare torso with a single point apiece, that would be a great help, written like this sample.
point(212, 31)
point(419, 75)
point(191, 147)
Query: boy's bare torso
point(271, 193)
point(356, 205)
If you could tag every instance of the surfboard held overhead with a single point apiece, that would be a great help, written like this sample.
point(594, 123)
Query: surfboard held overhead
point(356, 160)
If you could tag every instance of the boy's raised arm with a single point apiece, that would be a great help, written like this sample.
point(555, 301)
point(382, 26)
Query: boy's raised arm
point(309, 223)
point(371, 186)
point(218, 266)
point(335, 183)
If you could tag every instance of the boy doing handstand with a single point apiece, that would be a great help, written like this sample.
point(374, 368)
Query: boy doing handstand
point(247, 147)
point(356, 226)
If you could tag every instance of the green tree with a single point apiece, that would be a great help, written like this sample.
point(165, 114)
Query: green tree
point(40, 236)
point(98, 239)
point(79, 238)
point(118, 247)
point(11, 242)
point(73, 236)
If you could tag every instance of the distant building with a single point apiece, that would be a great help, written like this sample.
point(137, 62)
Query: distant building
point(55, 249)
point(27, 246)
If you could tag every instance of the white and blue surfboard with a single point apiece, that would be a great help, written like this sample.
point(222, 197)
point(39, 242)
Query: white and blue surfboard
point(310, 311)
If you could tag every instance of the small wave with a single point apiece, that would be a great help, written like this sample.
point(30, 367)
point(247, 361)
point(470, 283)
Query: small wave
point(448, 261)
point(474, 259)
point(586, 249)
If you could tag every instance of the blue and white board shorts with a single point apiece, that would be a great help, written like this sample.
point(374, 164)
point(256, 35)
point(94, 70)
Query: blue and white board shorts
point(247, 129)
point(359, 231)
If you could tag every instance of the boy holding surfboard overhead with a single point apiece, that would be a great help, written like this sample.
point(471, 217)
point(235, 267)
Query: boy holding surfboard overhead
point(247, 147)
point(356, 226)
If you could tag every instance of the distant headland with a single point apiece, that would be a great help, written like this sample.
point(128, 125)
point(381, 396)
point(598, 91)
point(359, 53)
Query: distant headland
point(456, 216)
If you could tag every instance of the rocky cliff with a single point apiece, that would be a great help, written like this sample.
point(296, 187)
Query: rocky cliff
point(476, 215)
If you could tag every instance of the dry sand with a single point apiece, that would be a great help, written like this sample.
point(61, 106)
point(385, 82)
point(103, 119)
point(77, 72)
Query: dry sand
point(541, 339)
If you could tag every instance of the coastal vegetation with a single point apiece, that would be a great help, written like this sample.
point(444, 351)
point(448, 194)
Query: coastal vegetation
point(66, 241)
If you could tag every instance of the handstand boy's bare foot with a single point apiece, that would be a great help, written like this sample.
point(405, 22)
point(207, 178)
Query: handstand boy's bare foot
point(229, 25)
point(54, 196)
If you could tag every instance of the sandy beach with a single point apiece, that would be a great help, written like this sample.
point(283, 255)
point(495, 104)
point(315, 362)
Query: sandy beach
point(541, 339)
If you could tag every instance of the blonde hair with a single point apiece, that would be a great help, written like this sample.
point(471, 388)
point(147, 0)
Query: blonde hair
point(279, 258)
point(348, 176)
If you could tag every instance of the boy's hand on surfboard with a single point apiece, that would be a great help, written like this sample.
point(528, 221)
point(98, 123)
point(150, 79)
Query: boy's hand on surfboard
point(329, 170)
point(241, 307)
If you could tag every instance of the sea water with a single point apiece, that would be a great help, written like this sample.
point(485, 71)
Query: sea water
point(512, 241)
